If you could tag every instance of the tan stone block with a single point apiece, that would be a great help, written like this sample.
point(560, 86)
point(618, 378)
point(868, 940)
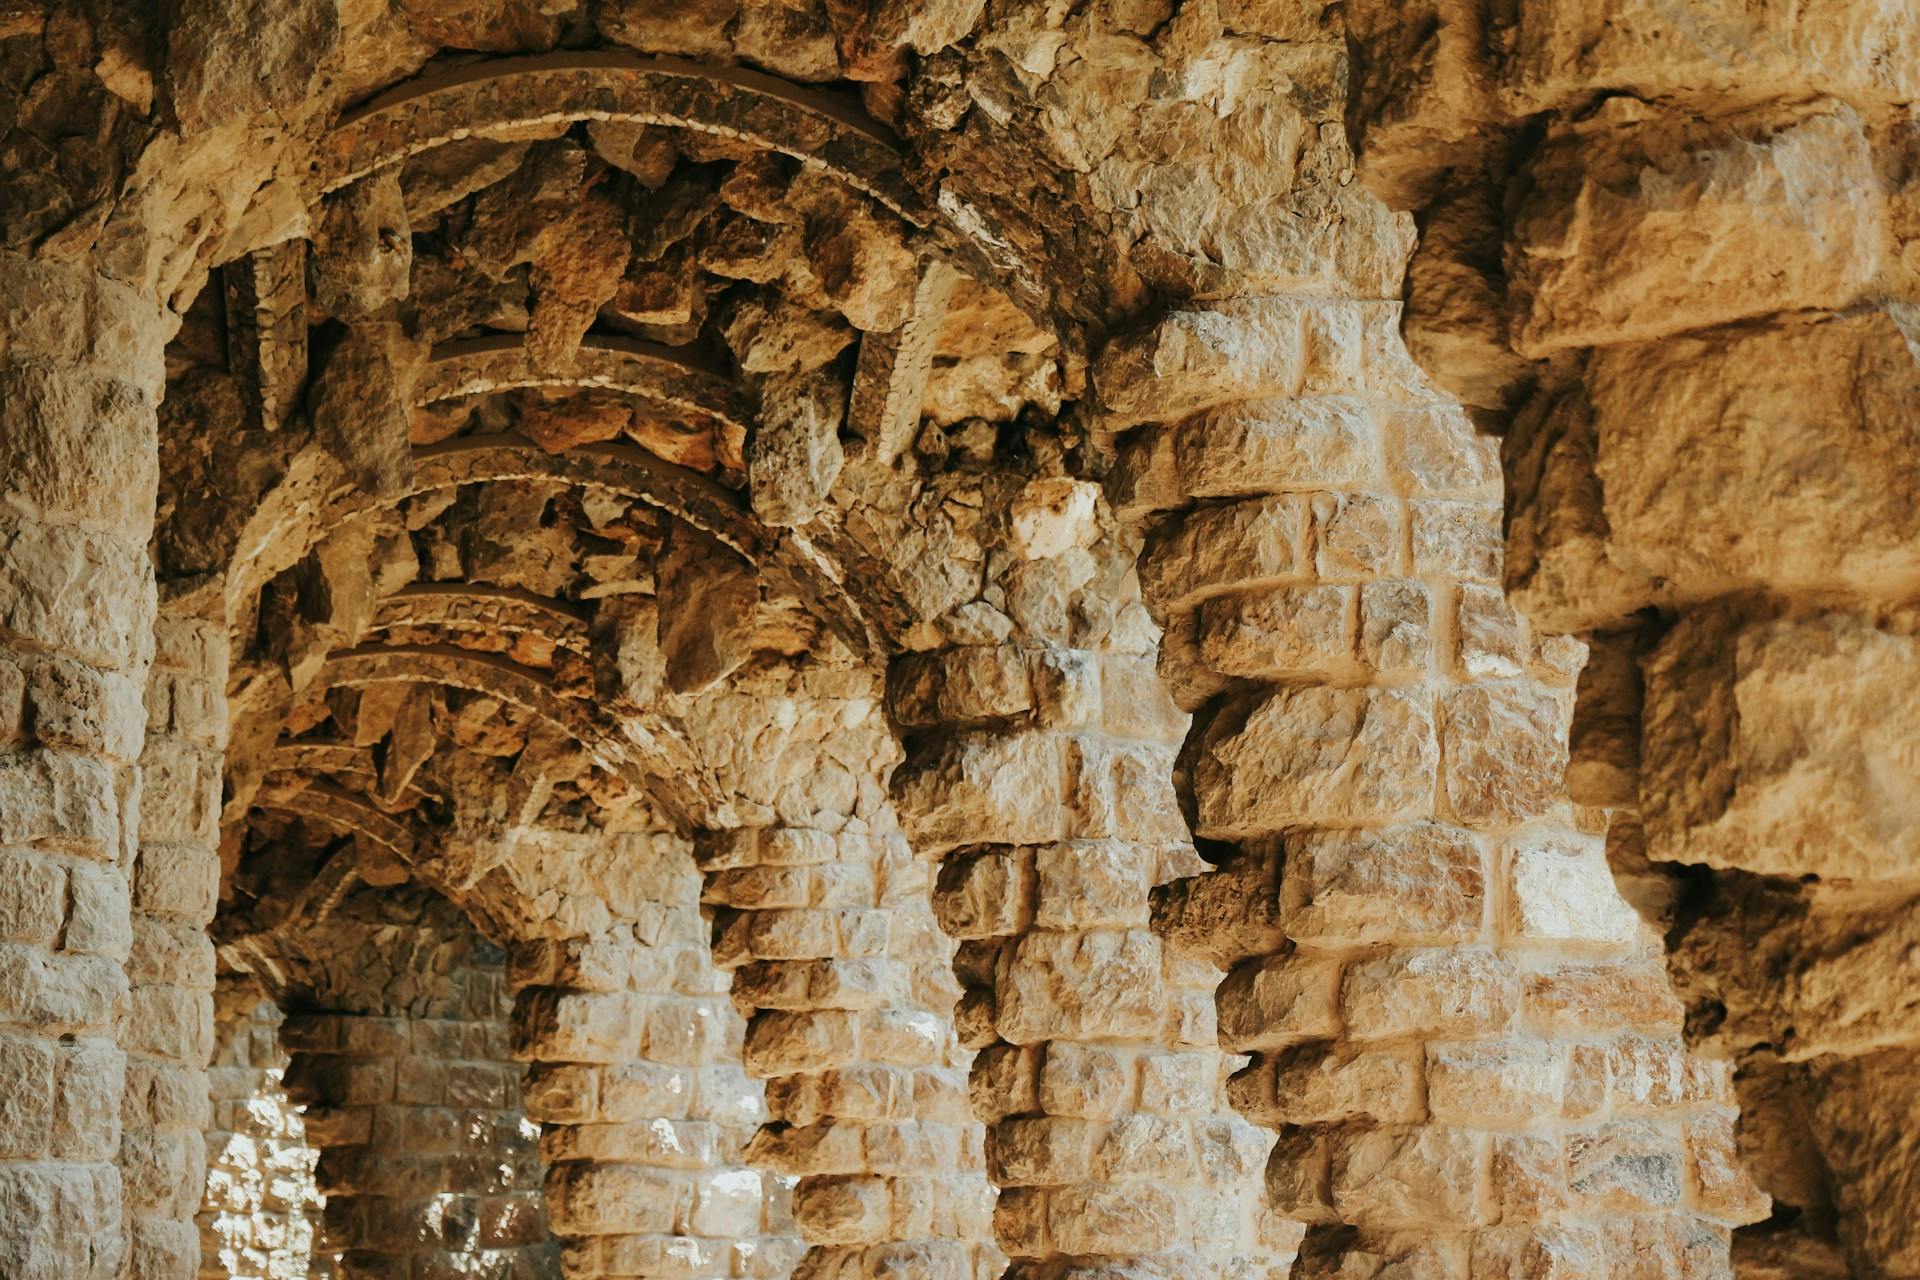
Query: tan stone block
point(1092, 883)
point(1602, 997)
point(1082, 986)
point(1437, 991)
point(1008, 785)
point(1498, 1082)
point(954, 686)
point(1701, 504)
point(1357, 535)
point(1210, 551)
point(1275, 633)
point(1328, 1084)
point(1743, 219)
point(1456, 541)
point(982, 895)
point(1423, 883)
point(1279, 1001)
point(1114, 1219)
point(1729, 52)
point(1561, 889)
point(1529, 1177)
point(1505, 751)
point(1298, 1175)
point(1539, 1253)
point(1396, 636)
point(1806, 732)
point(1086, 1081)
point(1239, 450)
point(1409, 1177)
point(1193, 360)
point(1315, 757)
point(1626, 1166)
point(32, 897)
point(1437, 448)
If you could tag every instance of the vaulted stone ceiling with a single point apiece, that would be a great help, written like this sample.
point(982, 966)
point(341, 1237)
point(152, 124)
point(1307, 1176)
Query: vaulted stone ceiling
point(880, 548)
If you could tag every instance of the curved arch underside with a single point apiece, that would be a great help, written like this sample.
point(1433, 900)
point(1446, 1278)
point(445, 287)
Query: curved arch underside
point(460, 606)
point(655, 758)
point(647, 370)
point(501, 94)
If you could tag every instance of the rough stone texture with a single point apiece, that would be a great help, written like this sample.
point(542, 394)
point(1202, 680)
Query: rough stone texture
point(427, 1160)
point(637, 1082)
point(261, 1207)
point(559, 447)
point(1695, 229)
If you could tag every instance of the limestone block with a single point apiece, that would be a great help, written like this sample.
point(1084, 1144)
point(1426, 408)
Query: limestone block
point(1396, 636)
point(1408, 1177)
point(1560, 889)
point(1632, 233)
point(1193, 360)
point(1574, 997)
point(1321, 1084)
point(1245, 449)
point(1721, 50)
point(1276, 633)
point(1424, 883)
point(1234, 547)
point(1864, 1112)
point(1496, 1081)
point(1505, 751)
point(1082, 986)
point(1005, 785)
point(1315, 757)
point(1782, 455)
point(1437, 991)
point(1626, 1166)
point(1279, 1001)
point(1782, 746)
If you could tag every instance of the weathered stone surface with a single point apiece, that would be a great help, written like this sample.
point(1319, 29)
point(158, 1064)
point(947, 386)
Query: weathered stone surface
point(1779, 459)
point(1674, 228)
point(1781, 746)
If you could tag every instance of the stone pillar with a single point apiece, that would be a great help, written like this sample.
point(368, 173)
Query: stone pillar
point(428, 1163)
point(257, 1219)
point(1674, 260)
point(831, 944)
point(645, 1111)
point(1038, 775)
point(166, 1027)
point(80, 371)
point(1462, 1032)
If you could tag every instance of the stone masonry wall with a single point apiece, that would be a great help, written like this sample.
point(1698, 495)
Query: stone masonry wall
point(1673, 254)
point(1461, 1030)
point(166, 1027)
point(80, 371)
point(428, 1164)
point(637, 1081)
point(1038, 775)
point(830, 943)
point(261, 1207)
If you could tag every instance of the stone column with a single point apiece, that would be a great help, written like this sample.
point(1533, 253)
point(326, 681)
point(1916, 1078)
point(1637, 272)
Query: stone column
point(636, 1081)
point(1038, 775)
point(1689, 308)
point(166, 1027)
point(80, 372)
point(830, 942)
point(1462, 1032)
point(257, 1219)
point(427, 1161)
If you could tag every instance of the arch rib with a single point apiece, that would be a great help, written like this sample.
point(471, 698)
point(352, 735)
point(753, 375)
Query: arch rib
point(657, 759)
point(648, 370)
point(499, 94)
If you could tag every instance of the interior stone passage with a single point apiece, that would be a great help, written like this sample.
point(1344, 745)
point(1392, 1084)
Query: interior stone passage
point(959, 640)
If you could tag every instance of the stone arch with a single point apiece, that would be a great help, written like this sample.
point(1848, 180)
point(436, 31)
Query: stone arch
point(495, 95)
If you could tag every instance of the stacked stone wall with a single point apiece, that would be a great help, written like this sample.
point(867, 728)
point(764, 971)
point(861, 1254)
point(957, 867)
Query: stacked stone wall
point(80, 372)
point(1038, 776)
point(636, 1079)
point(428, 1163)
point(1672, 256)
point(1460, 1029)
point(261, 1207)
